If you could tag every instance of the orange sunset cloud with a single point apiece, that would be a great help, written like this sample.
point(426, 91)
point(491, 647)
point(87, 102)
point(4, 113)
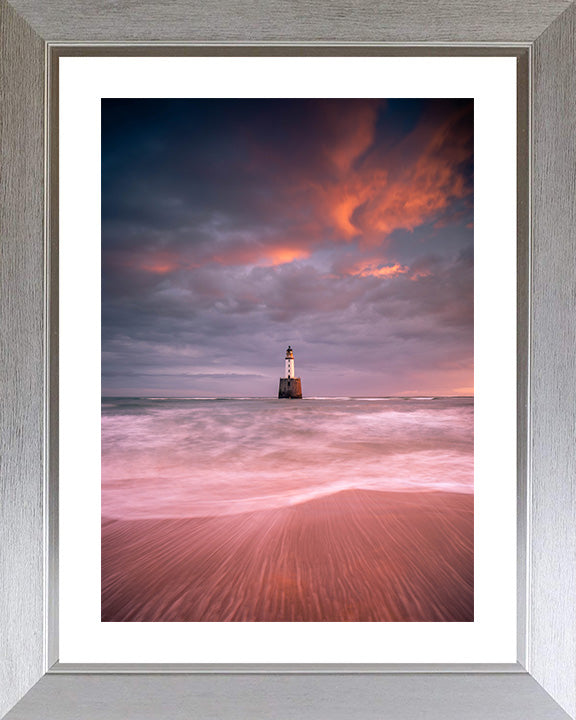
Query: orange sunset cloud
point(371, 202)
point(382, 272)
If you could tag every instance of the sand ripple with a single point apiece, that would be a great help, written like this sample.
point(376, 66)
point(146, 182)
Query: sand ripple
point(357, 555)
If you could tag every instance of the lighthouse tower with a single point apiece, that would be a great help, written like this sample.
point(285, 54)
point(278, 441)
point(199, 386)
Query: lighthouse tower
point(290, 386)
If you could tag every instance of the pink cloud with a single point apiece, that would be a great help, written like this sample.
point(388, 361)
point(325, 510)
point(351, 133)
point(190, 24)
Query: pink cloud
point(384, 271)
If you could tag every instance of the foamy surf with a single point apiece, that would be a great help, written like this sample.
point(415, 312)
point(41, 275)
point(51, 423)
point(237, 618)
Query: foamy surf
point(176, 458)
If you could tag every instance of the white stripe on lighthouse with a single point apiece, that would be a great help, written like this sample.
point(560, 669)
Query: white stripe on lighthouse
point(290, 363)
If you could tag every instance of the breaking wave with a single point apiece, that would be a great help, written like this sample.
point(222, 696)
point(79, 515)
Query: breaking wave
point(166, 457)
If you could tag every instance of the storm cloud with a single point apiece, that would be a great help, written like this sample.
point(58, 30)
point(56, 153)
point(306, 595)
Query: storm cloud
point(232, 228)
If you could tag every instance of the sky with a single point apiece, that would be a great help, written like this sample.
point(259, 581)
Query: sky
point(234, 228)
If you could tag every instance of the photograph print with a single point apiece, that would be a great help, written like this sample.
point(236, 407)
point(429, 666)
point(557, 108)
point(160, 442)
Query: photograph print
point(287, 360)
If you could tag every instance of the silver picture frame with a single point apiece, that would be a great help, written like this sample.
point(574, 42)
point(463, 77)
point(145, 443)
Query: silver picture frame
point(542, 684)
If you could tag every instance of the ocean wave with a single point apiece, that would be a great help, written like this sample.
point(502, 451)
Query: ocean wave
point(192, 458)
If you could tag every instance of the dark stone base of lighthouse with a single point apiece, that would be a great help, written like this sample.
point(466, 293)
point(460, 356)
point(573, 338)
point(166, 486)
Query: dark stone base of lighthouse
point(290, 388)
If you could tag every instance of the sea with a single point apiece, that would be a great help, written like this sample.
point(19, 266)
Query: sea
point(195, 457)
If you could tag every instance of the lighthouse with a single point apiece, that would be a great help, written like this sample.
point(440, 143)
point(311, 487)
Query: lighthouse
point(290, 386)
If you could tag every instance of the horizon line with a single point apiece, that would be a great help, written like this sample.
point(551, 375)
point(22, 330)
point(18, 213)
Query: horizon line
point(275, 397)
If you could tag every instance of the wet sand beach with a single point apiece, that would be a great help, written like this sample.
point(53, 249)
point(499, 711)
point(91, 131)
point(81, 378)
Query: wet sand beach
point(353, 556)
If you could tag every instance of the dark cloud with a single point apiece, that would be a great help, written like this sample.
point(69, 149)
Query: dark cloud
point(232, 228)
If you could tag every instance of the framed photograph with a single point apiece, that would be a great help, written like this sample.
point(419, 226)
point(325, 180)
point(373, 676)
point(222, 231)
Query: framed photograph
point(355, 241)
point(343, 226)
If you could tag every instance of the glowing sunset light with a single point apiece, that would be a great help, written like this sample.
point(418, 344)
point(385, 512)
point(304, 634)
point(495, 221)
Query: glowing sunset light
point(159, 262)
point(419, 274)
point(159, 268)
point(342, 214)
point(283, 255)
point(383, 272)
point(368, 200)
